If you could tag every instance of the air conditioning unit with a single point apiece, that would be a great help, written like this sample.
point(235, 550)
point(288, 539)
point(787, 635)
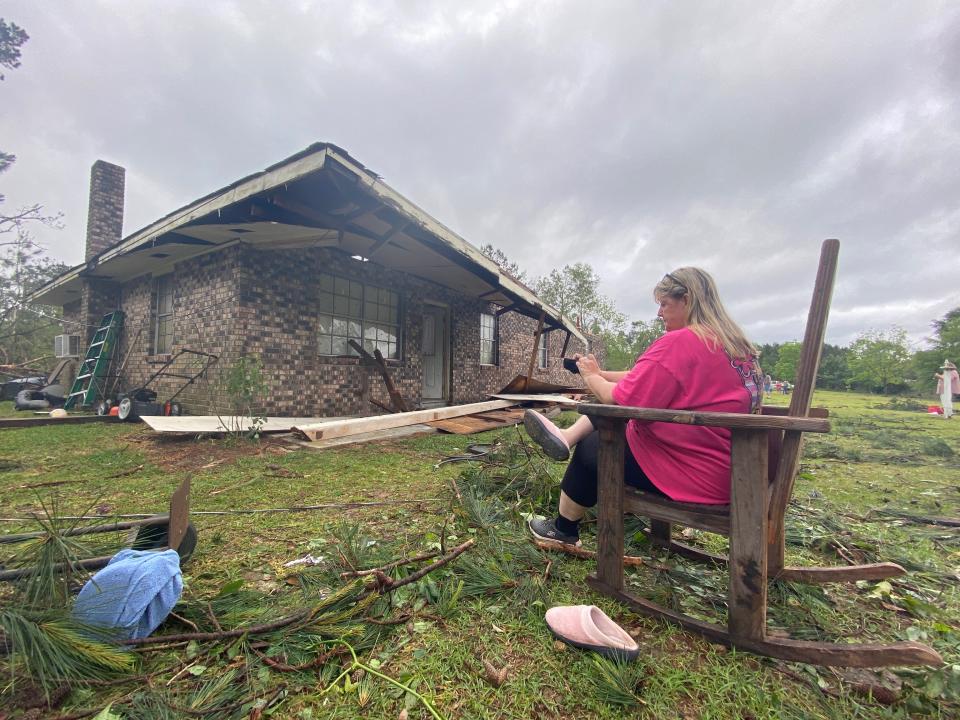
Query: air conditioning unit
point(66, 346)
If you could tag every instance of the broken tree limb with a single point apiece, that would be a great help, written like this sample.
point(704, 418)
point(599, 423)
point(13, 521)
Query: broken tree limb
point(124, 473)
point(376, 360)
point(919, 519)
point(580, 552)
point(383, 584)
point(387, 584)
point(232, 511)
point(355, 426)
point(388, 566)
point(223, 634)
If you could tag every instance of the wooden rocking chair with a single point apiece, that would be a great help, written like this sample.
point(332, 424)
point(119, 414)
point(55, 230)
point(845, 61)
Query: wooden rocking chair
point(765, 456)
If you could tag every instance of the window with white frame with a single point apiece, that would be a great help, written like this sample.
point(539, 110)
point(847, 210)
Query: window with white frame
point(163, 318)
point(488, 339)
point(351, 310)
point(542, 354)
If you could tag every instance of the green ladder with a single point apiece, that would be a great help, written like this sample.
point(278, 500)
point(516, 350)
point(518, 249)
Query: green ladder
point(92, 375)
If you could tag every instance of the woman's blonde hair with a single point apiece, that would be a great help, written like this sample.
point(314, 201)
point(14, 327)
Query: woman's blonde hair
point(706, 315)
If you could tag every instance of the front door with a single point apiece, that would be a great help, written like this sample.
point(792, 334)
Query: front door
point(434, 355)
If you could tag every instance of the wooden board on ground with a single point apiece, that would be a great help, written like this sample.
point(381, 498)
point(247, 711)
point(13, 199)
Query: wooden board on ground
point(479, 422)
point(354, 426)
point(377, 435)
point(552, 398)
point(199, 424)
point(47, 420)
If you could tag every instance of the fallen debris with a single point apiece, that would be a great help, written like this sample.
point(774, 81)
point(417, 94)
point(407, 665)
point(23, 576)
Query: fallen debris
point(202, 424)
point(629, 560)
point(480, 422)
point(919, 519)
point(245, 511)
point(124, 473)
point(353, 426)
point(376, 360)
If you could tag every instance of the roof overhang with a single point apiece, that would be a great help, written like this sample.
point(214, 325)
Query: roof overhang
point(320, 197)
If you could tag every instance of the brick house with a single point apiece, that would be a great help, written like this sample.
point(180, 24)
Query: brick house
point(289, 264)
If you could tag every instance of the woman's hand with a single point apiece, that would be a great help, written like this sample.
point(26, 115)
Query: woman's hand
point(588, 365)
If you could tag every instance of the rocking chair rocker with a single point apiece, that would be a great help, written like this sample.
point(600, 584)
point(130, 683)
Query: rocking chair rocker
point(765, 457)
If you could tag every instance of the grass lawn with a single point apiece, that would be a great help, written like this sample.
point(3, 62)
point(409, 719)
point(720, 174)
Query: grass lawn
point(469, 637)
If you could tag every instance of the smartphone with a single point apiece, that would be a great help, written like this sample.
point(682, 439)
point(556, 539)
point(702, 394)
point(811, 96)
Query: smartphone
point(570, 365)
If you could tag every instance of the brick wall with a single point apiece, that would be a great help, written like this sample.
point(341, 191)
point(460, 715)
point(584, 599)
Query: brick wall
point(242, 301)
point(105, 209)
point(205, 315)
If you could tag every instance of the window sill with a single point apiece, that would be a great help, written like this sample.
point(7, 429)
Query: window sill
point(159, 359)
point(353, 360)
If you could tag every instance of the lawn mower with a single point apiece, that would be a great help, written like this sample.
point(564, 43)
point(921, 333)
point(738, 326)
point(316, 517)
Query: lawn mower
point(142, 400)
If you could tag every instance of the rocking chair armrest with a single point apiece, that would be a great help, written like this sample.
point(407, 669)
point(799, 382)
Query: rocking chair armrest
point(714, 419)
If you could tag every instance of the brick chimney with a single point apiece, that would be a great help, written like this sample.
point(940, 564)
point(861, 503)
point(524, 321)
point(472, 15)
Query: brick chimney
point(105, 213)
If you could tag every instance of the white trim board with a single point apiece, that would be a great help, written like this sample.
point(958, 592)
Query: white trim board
point(215, 424)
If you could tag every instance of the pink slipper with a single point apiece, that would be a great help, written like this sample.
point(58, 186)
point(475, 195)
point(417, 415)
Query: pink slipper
point(588, 627)
point(546, 435)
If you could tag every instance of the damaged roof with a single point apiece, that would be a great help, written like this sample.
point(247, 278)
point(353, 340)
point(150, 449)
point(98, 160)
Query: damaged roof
point(319, 197)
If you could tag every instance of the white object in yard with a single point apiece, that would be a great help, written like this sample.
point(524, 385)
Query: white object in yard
point(305, 560)
point(219, 424)
point(340, 428)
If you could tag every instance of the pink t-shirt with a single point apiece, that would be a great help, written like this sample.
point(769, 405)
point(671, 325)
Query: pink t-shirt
point(689, 463)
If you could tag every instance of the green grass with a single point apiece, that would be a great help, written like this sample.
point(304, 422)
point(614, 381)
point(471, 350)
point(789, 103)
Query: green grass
point(880, 462)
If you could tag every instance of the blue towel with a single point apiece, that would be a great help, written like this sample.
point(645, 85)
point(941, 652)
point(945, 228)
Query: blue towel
point(132, 595)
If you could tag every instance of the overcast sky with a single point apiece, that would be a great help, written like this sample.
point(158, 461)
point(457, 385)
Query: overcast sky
point(635, 136)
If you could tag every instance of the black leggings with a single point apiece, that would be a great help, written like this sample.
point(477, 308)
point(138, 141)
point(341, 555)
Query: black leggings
point(580, 479)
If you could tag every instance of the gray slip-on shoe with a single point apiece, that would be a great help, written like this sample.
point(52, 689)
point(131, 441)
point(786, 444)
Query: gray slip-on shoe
point(545, 434)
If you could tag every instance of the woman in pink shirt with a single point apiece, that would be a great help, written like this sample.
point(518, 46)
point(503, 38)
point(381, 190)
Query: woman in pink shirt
point(703, 362)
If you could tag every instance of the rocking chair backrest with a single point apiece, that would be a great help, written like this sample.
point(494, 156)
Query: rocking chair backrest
point(789, 455)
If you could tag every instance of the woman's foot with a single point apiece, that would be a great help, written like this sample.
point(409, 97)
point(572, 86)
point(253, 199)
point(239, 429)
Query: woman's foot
point(547, 530)
point(547, 435)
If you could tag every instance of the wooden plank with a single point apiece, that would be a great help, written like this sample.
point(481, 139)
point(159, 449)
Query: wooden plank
point(819, 653)
point(781, 411)
point(747, 598)
point(534, 397)
point(715, 519)
point(802, 395)
point(714, 419)
point(610, 550)
point(38, 421)
point(480, 422)
point(376, 360)
point(455, 426)
point(179, 515)
point(841, 573)
point(353, 426)
point(533, 353)
point(199, 424)
point(660, 530)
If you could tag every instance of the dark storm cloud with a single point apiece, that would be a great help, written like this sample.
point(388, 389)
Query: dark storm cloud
point(633, 136)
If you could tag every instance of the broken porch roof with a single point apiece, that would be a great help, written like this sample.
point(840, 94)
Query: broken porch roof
point(319, 197)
